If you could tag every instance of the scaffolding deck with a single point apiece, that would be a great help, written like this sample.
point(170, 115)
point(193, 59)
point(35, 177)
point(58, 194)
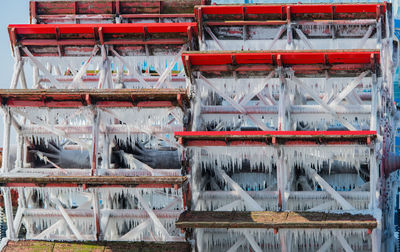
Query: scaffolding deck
point(100, 98)
point(275, 220)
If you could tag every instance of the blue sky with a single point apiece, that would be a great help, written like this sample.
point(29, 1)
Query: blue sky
point(11, 12)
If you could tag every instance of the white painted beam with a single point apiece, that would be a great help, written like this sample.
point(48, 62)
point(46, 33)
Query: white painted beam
point(314, 175)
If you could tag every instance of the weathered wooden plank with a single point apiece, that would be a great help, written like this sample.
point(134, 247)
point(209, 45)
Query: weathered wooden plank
point(44, 246)
point(92, 181)
point(274, 220)
point(106, 98)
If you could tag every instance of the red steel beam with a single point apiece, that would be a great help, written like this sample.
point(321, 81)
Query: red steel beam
point(85, 36)
point(300, 61)
point(104, 98)
point(257, 138)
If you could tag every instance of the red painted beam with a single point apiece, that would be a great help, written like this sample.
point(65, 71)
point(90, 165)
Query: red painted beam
point(300, 61)
point(69, 34)
point(287, 57)
point(34, 29)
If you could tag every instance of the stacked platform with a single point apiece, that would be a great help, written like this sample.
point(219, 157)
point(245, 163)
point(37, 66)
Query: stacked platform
point(280, 114)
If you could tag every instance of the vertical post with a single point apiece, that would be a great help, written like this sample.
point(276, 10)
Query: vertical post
point(9, 213)
point(377, 236)
point(289, 33)
point(374, 96)
point(17, 68)
point(35, 77)
point(282, 109)
point(281, 179)
point(106, 151)
point(96, 214)
point(6, 140)
point(373, 179)
point(20, 151)
point(95, 136)
point(23, 78)
point(104, 67)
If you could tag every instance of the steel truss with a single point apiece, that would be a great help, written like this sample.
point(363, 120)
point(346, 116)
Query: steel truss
point(101, 55)
point(289, 90)
point(293, 123)
point(95, 122)
point(108, 211)
point(220, 183)
point(301, 27)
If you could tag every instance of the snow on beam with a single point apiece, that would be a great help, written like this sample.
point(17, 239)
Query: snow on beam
point(146, 98)
point(115, 129)
point(94, 181)
point(243, 138)
point(309, 63)
point(112, 213)
point(275, 220)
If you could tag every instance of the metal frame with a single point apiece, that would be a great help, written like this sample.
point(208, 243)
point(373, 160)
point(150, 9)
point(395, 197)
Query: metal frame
point(278, 194)
point(285, 70)
point(100, 55)
point(292, 26)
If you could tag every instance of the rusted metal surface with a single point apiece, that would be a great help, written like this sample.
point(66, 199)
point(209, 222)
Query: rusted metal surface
point(94, 181)
point(291, 12)
point(44, 246)
point(103, 98)
point(51, 11)
point(246, 138)
point(274, 220)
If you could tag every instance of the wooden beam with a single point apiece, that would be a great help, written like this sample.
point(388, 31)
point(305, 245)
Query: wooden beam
point(275, 220)
point(62, 181)
point(97, 246)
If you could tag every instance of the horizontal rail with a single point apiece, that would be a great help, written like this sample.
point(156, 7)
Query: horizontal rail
point(93, 181)
point(248, 138)
point(104, 98)
point(275, 220)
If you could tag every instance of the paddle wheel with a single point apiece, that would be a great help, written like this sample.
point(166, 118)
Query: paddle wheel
point(247, 127)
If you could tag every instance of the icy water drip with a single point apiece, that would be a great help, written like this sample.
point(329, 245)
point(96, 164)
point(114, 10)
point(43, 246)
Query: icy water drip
point(297, 239)
point(263, 158)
